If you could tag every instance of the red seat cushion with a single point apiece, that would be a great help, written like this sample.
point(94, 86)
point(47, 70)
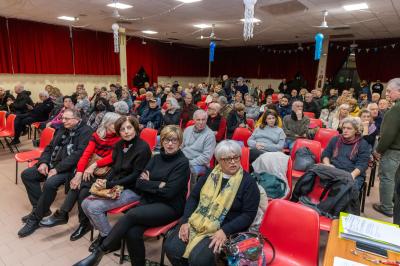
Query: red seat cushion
point(297, 174)
point(156, 231)
point(281, 259)
point(325, 223)
point(123, 208)
point(6, 133)
point(28, 155)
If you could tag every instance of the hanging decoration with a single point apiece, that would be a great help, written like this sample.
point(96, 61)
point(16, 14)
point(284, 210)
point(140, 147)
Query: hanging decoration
point(319, 39)
point(212, 49)
point(115, 28)
point(248, 19)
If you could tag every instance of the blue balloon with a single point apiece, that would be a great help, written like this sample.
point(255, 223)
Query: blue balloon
point(212, 48)
point(319, 39)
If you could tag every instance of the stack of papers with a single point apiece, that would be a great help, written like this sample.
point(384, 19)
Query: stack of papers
point(337, 261)
point(371, 232)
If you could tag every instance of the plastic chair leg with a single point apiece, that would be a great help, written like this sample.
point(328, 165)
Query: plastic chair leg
point(363, 196)
point(2, 144)
point(91, 234)
point(122, 255)
point(162, 251)
point(16, 172)
point(9, 144)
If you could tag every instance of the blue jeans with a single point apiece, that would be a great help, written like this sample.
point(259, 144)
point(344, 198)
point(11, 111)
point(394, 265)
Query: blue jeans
point(289, 144)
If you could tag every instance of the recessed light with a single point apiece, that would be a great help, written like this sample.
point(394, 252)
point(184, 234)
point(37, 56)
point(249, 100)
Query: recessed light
point(189, 1)
point(66, 18)
point(202, 26)
point(119, 5)
point(254, 20)
point(353, 7)
point(149, 32)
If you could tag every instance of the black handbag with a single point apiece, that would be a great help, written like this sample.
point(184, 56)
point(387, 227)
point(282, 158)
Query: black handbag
point(304, 159)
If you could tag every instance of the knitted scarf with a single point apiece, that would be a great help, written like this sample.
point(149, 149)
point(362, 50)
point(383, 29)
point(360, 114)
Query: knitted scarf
point(213, 206)
point(341, 140)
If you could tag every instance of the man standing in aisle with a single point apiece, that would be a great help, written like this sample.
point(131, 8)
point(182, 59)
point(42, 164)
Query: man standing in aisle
point(389, 151)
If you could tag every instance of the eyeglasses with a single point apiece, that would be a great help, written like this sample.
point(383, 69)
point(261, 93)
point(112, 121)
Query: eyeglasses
point(234, 159)
point(67, 118)
point(173, 141)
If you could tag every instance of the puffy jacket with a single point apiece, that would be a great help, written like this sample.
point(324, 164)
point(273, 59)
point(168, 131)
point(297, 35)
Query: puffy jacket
point(151, 115)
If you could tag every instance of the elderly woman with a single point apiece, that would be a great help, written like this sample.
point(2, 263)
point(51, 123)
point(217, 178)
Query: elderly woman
point(163, 186)
point(349, 151)
point(369, 129)
point(267, 137)
point(172, 115)
point(337, 119)
point(222, 203)
point(100, 147)
point(126, 96)
point(121, 108)
point(296, 124)
point(101, 107)
point(216, 122)
point(83, 103)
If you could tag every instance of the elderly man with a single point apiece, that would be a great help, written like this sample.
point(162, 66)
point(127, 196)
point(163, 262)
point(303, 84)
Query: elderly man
point(56, 167)
point(39, 113)
point(383, 105)
point(227, 87)
point(226, 108)
point(241, 86)
point(295, 125)
point(252, 109)
point(375, 115)
point(199, 143)
point(310, 105)
point(188, 109)
point(21, 102)
point(389, 150)
point(216, 122)
point(5, 95)
point(144, 105)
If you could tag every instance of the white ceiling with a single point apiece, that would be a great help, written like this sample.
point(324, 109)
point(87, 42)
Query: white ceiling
point(382, 20)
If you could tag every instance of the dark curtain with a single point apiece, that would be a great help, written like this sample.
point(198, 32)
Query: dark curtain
point(336, 58)
point(39, 48)
point(94, 53)
point(5, 59)
point(378, 64)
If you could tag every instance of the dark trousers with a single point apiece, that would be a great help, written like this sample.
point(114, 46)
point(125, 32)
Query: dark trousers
point(132, 226)
point(201, 254)
point(20, 123)
point(77, 195)
point(42, 200)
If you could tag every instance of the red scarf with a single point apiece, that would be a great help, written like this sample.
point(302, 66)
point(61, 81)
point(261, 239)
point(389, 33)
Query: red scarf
point(355, 142)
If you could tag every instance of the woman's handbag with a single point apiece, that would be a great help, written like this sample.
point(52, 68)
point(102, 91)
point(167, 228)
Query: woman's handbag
point(246, 249)
point(99, 171)
point(107, 193)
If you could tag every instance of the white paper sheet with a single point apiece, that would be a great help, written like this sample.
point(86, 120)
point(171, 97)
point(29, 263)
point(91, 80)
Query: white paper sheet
point(337, 261)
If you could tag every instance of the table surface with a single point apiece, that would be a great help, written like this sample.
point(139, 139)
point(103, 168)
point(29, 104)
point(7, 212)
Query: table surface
point(338, 247)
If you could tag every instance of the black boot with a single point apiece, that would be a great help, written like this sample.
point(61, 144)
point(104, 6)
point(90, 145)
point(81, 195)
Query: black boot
point(58, 218)
point(95, 244)
point(93, 259)
point(30, 215)
point(31, 225)
point(81, 231)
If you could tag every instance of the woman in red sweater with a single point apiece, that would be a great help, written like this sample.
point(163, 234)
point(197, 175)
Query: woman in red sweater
point(101, 144)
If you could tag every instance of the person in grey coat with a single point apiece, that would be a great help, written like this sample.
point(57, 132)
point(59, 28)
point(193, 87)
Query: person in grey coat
point(252, 110)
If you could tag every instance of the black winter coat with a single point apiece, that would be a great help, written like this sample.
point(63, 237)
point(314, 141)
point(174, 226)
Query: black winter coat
point(19, 105)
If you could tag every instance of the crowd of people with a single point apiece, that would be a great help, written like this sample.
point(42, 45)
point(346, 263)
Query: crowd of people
point(97, 146)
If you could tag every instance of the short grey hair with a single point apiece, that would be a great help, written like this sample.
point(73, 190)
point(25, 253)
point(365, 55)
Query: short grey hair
point(394, 83)
point(200, 112)
point(227, 147)
point(108, 119)
point(223, 100)
point(355, 123)
point(75, 112)
point(174, 103)
point(121, 107)
point(44, 93)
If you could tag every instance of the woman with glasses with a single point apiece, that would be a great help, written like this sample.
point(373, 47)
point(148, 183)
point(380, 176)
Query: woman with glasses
point(163, 189)
point(222, 203)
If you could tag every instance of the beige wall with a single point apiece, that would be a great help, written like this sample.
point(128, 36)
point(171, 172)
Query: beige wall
point(66, 83)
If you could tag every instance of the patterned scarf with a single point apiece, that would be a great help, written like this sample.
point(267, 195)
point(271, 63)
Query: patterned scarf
point(65, 140)
point(355, 142)
point(213, 206)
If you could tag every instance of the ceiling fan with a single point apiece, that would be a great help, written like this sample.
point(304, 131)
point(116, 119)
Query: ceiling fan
point(324, 23)
point(212, 36)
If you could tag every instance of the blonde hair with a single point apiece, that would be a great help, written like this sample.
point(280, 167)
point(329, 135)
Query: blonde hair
point(171, 131)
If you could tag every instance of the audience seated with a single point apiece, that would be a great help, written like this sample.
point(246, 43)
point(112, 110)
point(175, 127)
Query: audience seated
point(336, 121)
point(354, 110)
point(5, 97)
point(188, 109)
point(227, 87)
point(375, 97)
point(328, 113)
point(172, 115)
point(241, 87)
point(310, 105)
point(151, 117)
point(296, 124)
point(55, 95)
point(210, 217)
point(126, 97)
point(294, 96)
point(22, 103)
point(283, 107)
point(369, 130)
point(216, 122)
point(55, 119)
point(121, 108)
point(101, 107)
point(251, 108)
point(55, 167)
point(376, 116)
point(38, 113)
point(199, 143)
point(226, 108)
point(268, 137)
point(112, 98)
point(83, 103)
point(163, 187)
point(383, 106)
point(144, 105)
point(237, 118)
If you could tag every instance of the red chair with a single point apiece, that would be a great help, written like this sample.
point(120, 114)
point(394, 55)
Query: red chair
point(202, 105)
point(309, 114)
point(293, 230)
point(8, 132)
point(250, 123)
point(36, 126)
point(150, 136)
point(241, 134)
point(2, 120)
point(189, 123)
point(315, 122)
point(27, 156)
point(324, 136)
point(289, 178)
point(245, 159)
point(204, 97)
point(275, 98)
point(315, 148)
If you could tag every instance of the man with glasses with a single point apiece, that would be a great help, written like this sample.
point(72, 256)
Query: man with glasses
point(55, 167)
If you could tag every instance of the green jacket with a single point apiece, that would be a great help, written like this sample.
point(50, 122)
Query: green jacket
point(390, 130)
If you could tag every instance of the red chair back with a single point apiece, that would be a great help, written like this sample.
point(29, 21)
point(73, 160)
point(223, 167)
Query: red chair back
point(309, 114)
point(150, 136)
point(202, 105)
point(241, 134)
point(324, 136)
point(300, 227)
point(289, 177)
point(189, 123)
point(46, 137)
point(250, 123)
point(2, 120)
point(245, 159)
point(314, 146)
point(315, 122)
point(275, 98)
point(10, 124)
point(204, 97)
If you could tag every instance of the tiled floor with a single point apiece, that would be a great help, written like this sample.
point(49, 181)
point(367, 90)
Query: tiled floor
point(51, 246)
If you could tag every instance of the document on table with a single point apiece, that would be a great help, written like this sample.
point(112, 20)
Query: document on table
point(337, 261)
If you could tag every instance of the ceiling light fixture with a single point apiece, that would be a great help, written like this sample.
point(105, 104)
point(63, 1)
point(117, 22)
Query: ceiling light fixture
point(189, 1)
point(202, 26)
point(254, 20)
point(353, 7)
point(68, 18)
point(119, 5)
point(149, 32)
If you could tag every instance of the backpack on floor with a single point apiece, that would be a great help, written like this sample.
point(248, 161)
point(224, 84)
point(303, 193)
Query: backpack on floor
point(304, 159)
point(273, 185)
